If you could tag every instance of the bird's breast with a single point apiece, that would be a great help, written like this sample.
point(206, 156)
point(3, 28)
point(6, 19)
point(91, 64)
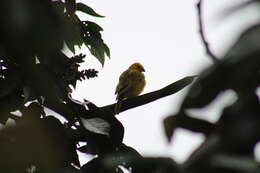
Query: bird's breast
point(138, 84)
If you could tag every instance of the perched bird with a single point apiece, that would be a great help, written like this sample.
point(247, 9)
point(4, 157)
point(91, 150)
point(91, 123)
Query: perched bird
point(131, 83)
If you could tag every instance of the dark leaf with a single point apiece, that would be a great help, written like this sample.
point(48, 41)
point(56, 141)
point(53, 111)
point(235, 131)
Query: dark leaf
point(34, 110)
point(71, 45)
point(93, 40)
point(41, 142)
point(123, 156)
point(98, 144)
point(154, 165)
point(235, 163)
point(169, 126)
point(83, 149)
point(70, 6)
point(72, 34)
point(69, 169)
point(93, 27)
point(61, 108)
point(98, 51)
point(58, 7)
point(206, 88)
point(10, 82)
point(40, 31)
point(244, 112)
point(4, 117)
point(107, 50)
point(181, 120)
point(28, 93)
point(128, 151)
point(240, 76)
point(245, 45)
point(88, 10)
point(11, 103)
point(60, 139)
point(116, 132)
point(238, 70)
point(97, 165)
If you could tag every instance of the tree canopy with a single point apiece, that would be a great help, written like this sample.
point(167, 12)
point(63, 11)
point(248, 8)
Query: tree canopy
point(36, 78)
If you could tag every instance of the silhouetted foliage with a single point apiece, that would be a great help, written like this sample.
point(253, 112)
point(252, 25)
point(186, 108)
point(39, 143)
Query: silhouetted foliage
point(36, 78)
point(230, 142)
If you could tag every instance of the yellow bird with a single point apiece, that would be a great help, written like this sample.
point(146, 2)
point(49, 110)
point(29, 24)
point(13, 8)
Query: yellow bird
point(131, 83)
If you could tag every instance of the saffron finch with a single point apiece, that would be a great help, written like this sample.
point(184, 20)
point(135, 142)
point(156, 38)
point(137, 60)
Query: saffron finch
point(131, 83)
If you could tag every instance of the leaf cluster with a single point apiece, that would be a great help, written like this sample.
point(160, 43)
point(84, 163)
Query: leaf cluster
point(36, 78)
point(35, 84)
point(230, 142)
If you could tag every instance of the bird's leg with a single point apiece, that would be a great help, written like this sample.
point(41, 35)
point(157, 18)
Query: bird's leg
point(118, 107)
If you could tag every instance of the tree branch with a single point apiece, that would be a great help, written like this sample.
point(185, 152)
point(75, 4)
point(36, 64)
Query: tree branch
point(152, 96)
point(202, 35)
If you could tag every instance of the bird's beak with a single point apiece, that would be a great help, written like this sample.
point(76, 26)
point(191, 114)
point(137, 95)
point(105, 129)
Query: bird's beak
point(143, 70)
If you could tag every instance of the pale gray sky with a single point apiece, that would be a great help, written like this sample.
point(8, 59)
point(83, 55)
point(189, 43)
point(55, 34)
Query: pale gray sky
point(163, 36)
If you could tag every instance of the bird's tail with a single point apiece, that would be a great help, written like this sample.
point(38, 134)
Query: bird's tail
point(118, 107)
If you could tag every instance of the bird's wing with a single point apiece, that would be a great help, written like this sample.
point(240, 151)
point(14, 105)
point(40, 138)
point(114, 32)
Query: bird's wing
point(124, 84)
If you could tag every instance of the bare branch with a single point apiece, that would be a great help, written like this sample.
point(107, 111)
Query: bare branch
point(152, 96)
point(202, 35)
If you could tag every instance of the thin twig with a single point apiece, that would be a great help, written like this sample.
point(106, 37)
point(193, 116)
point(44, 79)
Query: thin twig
point(202, 35)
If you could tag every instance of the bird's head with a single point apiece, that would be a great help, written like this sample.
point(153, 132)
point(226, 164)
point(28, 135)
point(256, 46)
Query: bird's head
point(137, 66)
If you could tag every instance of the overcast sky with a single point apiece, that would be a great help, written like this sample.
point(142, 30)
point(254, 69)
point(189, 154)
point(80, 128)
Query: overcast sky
point(163, 36)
